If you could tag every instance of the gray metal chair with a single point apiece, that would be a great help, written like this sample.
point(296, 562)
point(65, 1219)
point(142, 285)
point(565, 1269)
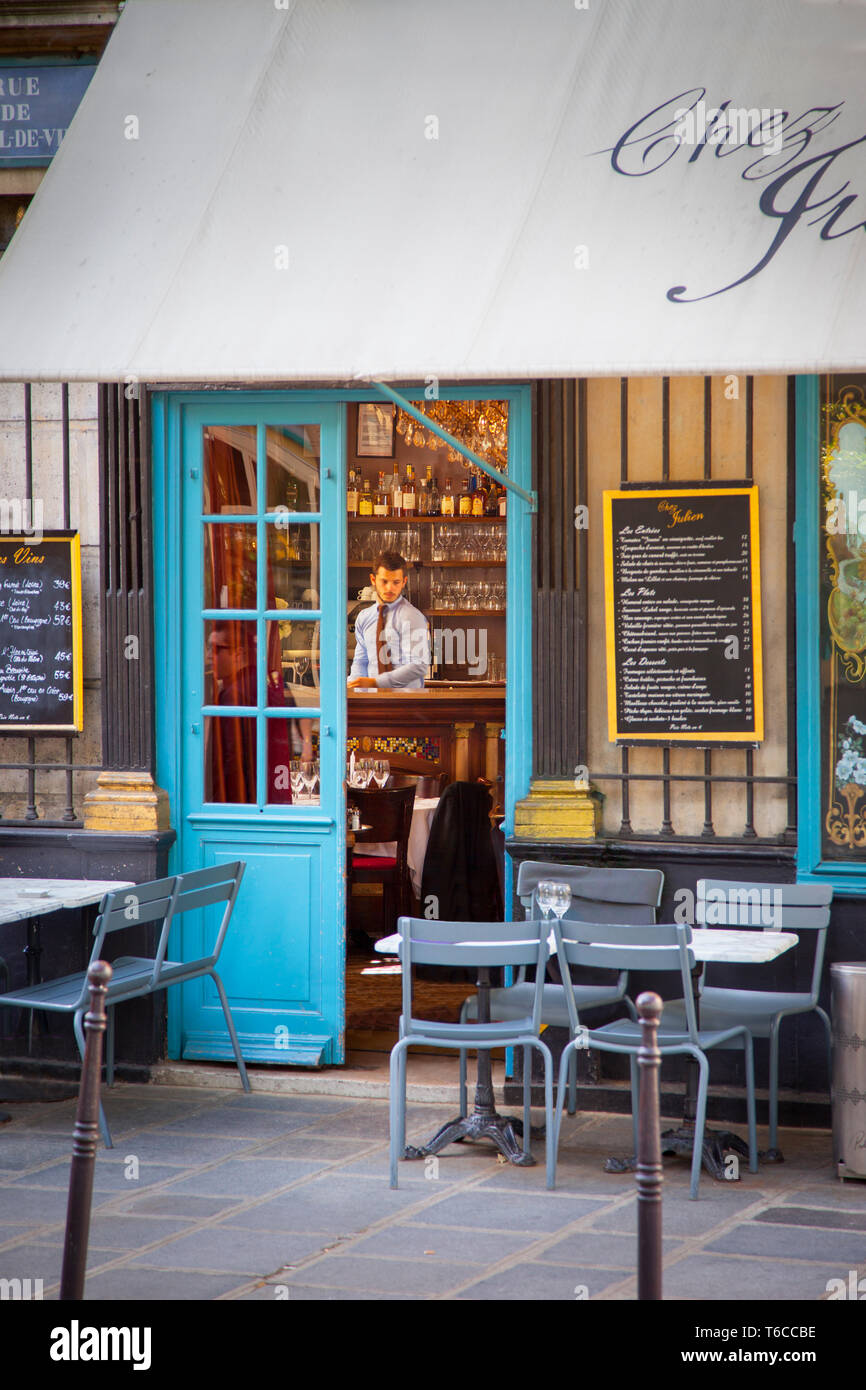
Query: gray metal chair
point(597, 895)
point(794, 907)
point(471, 944)
point(663, 947)
point(159, 902)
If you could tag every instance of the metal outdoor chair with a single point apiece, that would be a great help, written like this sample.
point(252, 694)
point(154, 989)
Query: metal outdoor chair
point(597, 895)
point(471, 945)
point(159, 902)
point(794, 907)
point(662, 947)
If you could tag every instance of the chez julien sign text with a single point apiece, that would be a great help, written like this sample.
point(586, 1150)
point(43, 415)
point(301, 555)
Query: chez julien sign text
point(801, 169)
point(683, 615)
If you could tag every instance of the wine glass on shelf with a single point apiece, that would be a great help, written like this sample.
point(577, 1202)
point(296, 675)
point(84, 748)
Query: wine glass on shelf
point(381, 771)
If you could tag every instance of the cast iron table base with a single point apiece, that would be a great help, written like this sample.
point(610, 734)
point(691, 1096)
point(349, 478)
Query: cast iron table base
point(484, 1122)
point(681, 1141)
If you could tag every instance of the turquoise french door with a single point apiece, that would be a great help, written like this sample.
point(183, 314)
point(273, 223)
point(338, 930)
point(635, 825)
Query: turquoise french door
point(249, 501)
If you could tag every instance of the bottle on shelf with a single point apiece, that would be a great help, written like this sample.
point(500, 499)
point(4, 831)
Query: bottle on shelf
point(423, 505)
point(433, 500)
point(381, 502)
point(447, 502)
point(409, 492)
point(466, 497)
point(395, 491)
point(479, 497)
point(352, 497)
point(365, 501)
point(503, 501)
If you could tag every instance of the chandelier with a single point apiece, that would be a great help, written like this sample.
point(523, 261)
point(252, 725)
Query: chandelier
point(481, 425)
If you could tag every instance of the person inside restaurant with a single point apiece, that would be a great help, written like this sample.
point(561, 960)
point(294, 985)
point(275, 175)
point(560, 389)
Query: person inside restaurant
point(392, 642)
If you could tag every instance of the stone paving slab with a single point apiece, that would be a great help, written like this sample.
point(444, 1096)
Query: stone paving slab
point(263, 1197)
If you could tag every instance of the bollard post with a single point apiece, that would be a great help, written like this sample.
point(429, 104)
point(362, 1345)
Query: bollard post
point(85, 1139)
point(649, 1153)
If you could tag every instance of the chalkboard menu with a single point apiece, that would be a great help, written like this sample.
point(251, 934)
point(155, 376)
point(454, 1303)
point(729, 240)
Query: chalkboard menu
point(683, 613)
point(40, 634)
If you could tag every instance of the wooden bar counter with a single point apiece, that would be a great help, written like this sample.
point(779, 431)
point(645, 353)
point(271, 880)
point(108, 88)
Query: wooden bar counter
point(460, 726)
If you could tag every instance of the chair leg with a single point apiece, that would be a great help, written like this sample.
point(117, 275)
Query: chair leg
point(572, 1083)
point(396, 1108)
point(109, 1047)
point(236, 1047)
point(634, 1079)
point(78, 1029)
point(700, 1121)
point(749, 1049)
point(560, 1095)
point(829, 1028)
point(527, 1100)
point(551, 1117)
point(773, 1104)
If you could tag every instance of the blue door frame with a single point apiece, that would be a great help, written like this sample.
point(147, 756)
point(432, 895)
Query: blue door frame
point(286, 979)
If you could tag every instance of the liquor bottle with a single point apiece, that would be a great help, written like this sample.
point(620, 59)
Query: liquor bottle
point(409, 492)
point(365, 502)
point(503, 500)
point(423, 507)
point(466, 498)
point(352, 494)
point(447, 503)
point(395, 491)
point(433, 499)
point(479, 497)
point(381, 502)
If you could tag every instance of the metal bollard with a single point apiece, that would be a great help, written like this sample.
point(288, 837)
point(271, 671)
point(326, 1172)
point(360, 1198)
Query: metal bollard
point(85, 1139)
point(649, 1153)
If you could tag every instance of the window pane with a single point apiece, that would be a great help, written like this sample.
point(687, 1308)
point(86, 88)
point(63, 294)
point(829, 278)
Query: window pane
point(299, 659)
point(293, 565)
point(229, 564)
point(843, 616)
point(228, 469)
point(230, 759)
point(293, 467)
point(229, 663)
point(293, 762)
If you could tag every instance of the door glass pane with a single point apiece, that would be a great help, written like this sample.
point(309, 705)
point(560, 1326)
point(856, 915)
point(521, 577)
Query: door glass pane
point(230, 663)
point(228, 469)
point(293, 467)
point(230, 564)
point(230, 759)
point(293, 564)
point(299, 659)
point(293, 762)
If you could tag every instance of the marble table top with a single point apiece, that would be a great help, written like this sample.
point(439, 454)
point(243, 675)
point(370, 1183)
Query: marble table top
point(708, 943)
point(21, 898)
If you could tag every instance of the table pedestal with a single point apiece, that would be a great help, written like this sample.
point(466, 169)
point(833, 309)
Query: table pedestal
point(484, 1122)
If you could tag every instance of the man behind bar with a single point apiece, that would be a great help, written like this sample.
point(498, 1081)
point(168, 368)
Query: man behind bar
point(392, 644)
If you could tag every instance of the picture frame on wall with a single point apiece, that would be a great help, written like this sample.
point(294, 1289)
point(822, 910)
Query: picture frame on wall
point(375, 431)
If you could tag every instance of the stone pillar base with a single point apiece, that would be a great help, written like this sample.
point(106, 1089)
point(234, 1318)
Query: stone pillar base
point(126, 803)
point(557, 810)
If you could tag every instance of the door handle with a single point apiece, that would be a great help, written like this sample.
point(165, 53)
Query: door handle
point(325, 731)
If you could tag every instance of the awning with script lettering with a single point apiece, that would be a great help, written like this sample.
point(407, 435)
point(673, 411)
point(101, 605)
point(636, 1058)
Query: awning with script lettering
point(310, 190)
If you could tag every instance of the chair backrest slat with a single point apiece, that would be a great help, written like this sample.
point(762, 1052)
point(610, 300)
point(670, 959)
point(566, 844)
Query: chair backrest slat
point(771, 906)
point(481, 944)
point(598, 894)
point(665, 946)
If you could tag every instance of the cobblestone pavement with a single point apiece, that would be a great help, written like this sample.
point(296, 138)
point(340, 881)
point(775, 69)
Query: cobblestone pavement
point(218, 1195)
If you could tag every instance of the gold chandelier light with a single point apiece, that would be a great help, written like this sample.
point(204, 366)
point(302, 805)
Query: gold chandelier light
point(481, 425)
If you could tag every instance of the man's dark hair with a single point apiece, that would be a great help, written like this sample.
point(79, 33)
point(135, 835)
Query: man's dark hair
point(389, 560)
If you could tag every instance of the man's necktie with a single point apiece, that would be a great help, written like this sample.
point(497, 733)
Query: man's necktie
point(382, 646)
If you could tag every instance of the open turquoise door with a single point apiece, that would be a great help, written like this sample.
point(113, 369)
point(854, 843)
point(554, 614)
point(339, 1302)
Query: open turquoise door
point(251, 708)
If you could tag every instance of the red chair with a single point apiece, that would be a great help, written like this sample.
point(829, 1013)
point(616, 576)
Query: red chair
point(389, 816)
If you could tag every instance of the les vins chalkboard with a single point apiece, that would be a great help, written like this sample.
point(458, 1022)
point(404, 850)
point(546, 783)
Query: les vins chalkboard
point(683, 615)
point(40, 634)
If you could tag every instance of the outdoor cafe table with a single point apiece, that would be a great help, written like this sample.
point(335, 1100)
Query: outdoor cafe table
point(720, 944)
point(30, 899)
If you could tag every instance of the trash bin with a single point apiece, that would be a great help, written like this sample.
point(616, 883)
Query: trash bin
point(848, 981)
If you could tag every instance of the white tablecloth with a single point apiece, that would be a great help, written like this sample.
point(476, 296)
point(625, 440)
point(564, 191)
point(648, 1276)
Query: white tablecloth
point(419, 833)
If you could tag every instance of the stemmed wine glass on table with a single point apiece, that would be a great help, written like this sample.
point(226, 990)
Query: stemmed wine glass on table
point(552, 895)
point(381, 771)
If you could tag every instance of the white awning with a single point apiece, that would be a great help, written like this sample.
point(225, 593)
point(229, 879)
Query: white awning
point(470, 189)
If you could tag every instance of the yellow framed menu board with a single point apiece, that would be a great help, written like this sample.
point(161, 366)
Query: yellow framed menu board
point(41, 680)
point(683, 615)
